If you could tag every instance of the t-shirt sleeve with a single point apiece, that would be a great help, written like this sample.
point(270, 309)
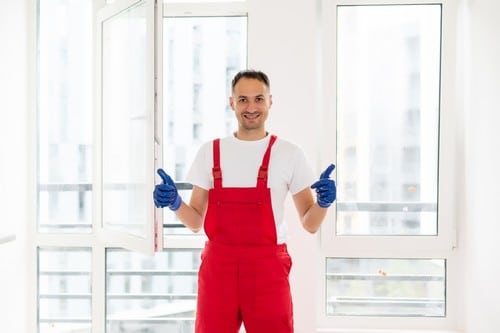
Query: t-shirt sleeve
point(303, 175)
point(200, 173)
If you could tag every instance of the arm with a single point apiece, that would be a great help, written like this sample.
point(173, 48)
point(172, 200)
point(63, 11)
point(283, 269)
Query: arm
point(166, 195)
point(192, 215)
point(310, 213)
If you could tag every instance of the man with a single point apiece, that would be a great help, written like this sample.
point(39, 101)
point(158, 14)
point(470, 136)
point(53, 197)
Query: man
point(239, 187)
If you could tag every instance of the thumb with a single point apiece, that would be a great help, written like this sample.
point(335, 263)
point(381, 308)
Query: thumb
point(327, 172)
point(166, 178)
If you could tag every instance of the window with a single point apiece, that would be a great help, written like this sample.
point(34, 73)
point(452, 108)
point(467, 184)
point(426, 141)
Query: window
point(125, 116)
point(379, 57)
point(387, 247)
point(387, 262)
point(385, 287)
point(64, 284)
point(125, 138)
point(64, 167)
point(79, 273)
point(64, 117)
point(151, 294)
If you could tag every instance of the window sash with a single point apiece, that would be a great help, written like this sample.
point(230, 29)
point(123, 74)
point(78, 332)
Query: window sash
point(440, 246)
point(445, 239)
point(113, 231)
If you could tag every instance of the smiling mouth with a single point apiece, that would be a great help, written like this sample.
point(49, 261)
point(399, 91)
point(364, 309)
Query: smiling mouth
point(251, 115)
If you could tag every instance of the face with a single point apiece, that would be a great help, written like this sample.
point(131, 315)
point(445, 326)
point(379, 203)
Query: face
point(251, 101)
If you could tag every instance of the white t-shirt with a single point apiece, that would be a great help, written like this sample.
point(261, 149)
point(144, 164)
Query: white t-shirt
point(240, 160)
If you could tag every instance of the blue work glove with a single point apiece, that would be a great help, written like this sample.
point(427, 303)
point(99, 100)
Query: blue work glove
point(165, 194)
point(325, 188)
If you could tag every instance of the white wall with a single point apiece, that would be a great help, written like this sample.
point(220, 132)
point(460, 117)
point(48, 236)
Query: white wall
point(12, 161)
point(481, 224)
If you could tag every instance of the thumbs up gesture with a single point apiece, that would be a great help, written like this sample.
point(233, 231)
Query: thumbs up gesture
point(325, 188)
point(165, 194)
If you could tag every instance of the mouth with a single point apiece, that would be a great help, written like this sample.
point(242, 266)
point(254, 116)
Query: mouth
point(251, 115)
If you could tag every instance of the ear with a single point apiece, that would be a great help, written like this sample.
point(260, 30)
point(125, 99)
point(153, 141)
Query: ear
point(270, 100)
point(231, 102)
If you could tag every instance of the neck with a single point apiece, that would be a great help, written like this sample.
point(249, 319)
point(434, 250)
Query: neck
point(250, 135)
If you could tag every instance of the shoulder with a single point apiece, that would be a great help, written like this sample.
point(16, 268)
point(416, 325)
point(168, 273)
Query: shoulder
point(286, 143)
point(207, 147)
point(204, 152)
point(283, 146)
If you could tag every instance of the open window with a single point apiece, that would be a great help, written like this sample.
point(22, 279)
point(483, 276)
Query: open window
point(126, 105)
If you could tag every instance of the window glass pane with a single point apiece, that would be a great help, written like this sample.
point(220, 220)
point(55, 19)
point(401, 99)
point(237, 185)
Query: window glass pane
point(151, 294)
point(202, 54)
point(388, 119)
point(125, 119)
point(64, 116)
point(64, 290)
point(386, 287)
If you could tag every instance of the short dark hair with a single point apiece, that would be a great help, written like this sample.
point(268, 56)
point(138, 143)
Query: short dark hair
point(251, 74)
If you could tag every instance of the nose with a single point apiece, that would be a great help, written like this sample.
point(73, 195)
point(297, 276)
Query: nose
point(252, 106)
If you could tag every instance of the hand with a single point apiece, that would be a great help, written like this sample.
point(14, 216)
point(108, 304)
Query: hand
point(165, 194)
point(325, 188)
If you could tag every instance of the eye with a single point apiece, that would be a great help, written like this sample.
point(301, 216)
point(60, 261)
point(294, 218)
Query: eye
point(259, 99)
point(242, 100)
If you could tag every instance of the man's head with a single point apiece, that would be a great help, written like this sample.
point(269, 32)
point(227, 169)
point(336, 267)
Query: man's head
point(251, 101)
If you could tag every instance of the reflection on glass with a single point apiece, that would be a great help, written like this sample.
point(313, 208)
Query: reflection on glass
point(64, 290)
point(386, 287)
point(124, 116)
point(202, 54)
point(64, 121)
point(151, 294)
point(388, 119)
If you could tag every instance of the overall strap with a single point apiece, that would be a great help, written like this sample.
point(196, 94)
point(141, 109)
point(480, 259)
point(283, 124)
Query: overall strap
point(262, 177)
point(216, 171)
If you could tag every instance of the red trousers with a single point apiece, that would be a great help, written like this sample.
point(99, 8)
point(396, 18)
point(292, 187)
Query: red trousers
point(249, 283)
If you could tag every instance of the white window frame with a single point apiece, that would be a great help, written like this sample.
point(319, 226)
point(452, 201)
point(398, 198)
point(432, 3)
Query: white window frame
point(337, 247)
point(441, 246)
point(149, 243)
point(33, 239)
point(97, 241)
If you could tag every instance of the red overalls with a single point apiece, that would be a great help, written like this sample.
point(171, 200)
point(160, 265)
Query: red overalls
point(244, 273)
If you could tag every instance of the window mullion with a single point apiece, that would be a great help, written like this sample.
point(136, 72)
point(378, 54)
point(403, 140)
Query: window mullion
point(98, 288)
